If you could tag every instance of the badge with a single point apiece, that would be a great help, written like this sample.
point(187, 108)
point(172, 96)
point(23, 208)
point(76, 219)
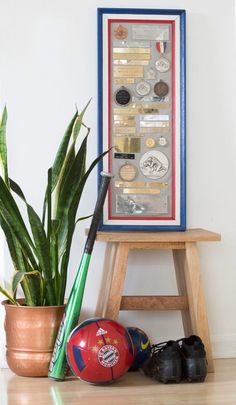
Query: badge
point(151, 74)
point(161, 88)
point(120, 32)
point(162, 141)
point(122, 96)
point(162, 65)
point(128, 172)
point(150, 142)
point(154, 164)
point(143, 88)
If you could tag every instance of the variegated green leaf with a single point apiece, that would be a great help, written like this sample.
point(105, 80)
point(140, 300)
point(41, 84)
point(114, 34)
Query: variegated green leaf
point(8, 295)
point(3, 147)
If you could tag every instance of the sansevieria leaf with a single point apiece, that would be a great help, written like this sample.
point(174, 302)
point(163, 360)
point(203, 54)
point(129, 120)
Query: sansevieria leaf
point(3, 146)
point(8, 295)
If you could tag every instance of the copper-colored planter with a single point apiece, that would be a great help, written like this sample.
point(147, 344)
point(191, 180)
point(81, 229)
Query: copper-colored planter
point(30, 337)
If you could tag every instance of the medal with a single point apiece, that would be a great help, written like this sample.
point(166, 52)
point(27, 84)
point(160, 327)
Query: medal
point(154, 164)
point(128, 172)
point(150, 142)
point(162, 141)
point(161, 88)
point(120, 32)
point(162, 65)
point(122, 96)
point(143, 88)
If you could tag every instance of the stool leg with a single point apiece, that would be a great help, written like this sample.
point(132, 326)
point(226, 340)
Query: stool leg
point(179, 257)
point(197, 307)
point(118, 280)
point(105, 286)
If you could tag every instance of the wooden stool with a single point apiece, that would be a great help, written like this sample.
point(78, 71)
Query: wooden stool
point(190, 300)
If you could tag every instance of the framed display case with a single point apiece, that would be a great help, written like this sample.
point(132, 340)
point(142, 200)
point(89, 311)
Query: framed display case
point(141, 117)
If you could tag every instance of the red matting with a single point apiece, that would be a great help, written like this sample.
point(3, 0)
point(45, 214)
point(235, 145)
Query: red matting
point(172, 23)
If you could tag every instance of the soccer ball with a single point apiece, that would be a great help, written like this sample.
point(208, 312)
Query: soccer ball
point(142, 347)
point(99, 351)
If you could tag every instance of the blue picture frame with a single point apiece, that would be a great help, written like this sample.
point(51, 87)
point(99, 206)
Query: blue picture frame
point(104, 17)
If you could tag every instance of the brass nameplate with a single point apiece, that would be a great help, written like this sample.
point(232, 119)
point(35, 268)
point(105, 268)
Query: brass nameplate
point(142, 56)
point(137, 184)
point(124, 117)
point(124, 80)
point(127, 145)
point(125, 130)
point(156, 185)
point(154, 130)
point(132, 50)
point(141, 191)
point(124, 123)
point(131, 135)
point(131, 62)
point(123, 71)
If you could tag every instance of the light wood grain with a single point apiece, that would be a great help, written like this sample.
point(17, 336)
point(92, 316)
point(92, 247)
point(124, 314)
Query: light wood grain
point(196, 299)
point(179, 257)
point(191, 235)
point(154, 303)
point(132, 389)
point(117, 283)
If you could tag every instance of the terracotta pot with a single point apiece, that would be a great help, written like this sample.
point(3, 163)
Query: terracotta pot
point(30, 336)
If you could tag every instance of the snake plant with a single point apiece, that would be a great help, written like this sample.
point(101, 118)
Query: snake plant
point(40, 247)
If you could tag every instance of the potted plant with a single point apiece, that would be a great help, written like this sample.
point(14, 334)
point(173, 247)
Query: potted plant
point(40, 250)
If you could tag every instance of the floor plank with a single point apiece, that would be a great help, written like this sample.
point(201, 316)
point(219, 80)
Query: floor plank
point(132, 389)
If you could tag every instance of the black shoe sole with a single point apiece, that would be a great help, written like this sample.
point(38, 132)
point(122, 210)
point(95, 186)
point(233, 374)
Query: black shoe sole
point(195, 370)
point(170, 371)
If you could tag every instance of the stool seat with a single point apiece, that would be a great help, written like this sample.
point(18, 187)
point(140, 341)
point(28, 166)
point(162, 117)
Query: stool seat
point(190, 301)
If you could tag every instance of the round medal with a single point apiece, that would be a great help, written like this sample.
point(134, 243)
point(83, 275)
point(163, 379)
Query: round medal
point(143, 88)
point(122, 96)
point(120, 32)
point(161, 88)
point(154, 164)
point(162, 65)
point(150, 142)
point(162, 141)
point(128, 172)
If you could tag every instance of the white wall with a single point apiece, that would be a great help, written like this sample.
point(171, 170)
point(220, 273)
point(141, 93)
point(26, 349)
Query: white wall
point(48, 63)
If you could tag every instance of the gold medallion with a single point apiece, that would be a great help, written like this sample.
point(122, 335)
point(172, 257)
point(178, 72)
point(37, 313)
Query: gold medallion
point(128, 172)
point(150, 142)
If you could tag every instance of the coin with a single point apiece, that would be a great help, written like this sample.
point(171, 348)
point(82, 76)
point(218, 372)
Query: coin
point(143, 88)
point(161, 88)
point(120, 32)
point(150, 142)
point(122, 96)
point(128, 172)
point(154, 164)
point(162, 65)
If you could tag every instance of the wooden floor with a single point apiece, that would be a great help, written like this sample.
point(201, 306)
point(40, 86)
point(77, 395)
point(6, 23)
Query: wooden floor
point(131, 389)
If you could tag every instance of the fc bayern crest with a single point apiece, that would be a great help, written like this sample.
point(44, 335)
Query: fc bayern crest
point(108, 356)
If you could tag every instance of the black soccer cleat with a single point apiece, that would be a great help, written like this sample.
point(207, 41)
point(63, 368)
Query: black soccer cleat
point(165, 363)
point(194, 359)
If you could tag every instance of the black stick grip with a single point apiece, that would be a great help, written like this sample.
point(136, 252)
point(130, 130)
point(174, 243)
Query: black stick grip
point(106, 177)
